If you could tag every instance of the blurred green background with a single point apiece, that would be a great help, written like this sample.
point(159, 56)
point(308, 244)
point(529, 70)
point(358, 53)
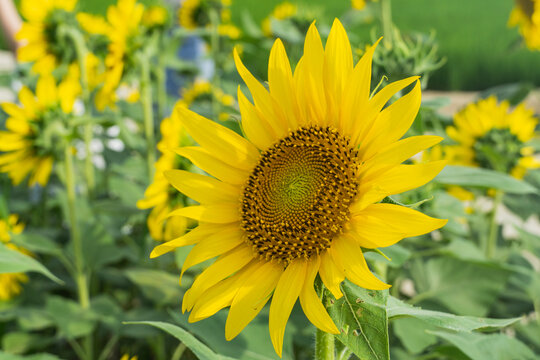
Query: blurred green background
point(481, 50)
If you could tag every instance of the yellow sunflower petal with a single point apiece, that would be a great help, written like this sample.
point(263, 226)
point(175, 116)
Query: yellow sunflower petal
point(204, 160)
point(348, 256)
point(398, 152)
point(374, 107)
point(216, 214)
point(263, 100)
point(213, 245)
point(225, 144)
point(287, 291)
point(192, 237)
point(308, 80)
point(393, 122)
point(202, 189)
point(338, 65)
point(381, 225)
point(251, 298)
point(258, 131)
point(396, 180)
point(357, 93)
point(280, 82)
point(42, 172)
point(311, 304)
point(221, 295)
point(46, 91)
point(331, 275)
point(226, 265)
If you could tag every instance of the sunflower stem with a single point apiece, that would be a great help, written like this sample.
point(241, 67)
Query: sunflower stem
point(82, 53)
point(214, 44)
point(491, 243)
point(81, 277)
point(324, 346)
point(148, 114)
point(324, 342)
point(386, 21)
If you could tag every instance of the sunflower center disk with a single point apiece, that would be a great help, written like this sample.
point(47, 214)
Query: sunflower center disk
point(297, 198)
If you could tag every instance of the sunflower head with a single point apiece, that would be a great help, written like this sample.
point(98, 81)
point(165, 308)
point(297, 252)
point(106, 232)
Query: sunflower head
point(300, 195)
point(29, 144)
point(155, 16)
point(196, 13)
point(492, 136)
point(526, 16)
point(46, 43)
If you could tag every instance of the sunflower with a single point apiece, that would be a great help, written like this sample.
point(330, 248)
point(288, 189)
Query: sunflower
point(155, 16)
point(159, 195)
point(282, 11)
point(202, 91)
point(10, 283)
point(492, 136)
point(43, 44)
point(526, 15)
point(300, 195)
point(121, 28)
point(193, 14)
point(358, 4)
point(32, 129)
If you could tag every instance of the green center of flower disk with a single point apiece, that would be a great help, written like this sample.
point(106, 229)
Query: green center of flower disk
point(498, 149)
point(58, 44)
point(296, 200)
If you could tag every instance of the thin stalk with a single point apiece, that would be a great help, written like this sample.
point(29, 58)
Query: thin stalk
point(345, 354)
point(386, 21)
point(82, 53)
point(491, 242)
point(161, 88)
point(214, 44)
point(81, 277)
point(324, 342)
point(148, 114)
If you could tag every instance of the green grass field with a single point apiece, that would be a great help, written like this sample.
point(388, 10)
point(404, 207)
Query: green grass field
point(481, 50)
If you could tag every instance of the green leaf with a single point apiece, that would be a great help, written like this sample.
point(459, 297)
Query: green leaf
point(488, 347)
point(483, 178)
point(159, 286)
point(37, 243)
point(466, 288)
point(7, 356)
point(17, 342)
point(398, 309)
point(12, 261)
point(200, 350)
point(412, 334)
point(70, 318)
point(360, 315)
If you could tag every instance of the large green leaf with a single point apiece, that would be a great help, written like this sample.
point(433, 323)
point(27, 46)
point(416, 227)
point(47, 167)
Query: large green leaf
point(12, 261)
point(488, 347)
point(465, 288)
point(200, 350)
point(360, 315)
point(69, 317)
point(484, 178)
point(157, 285)
point(398, 309)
